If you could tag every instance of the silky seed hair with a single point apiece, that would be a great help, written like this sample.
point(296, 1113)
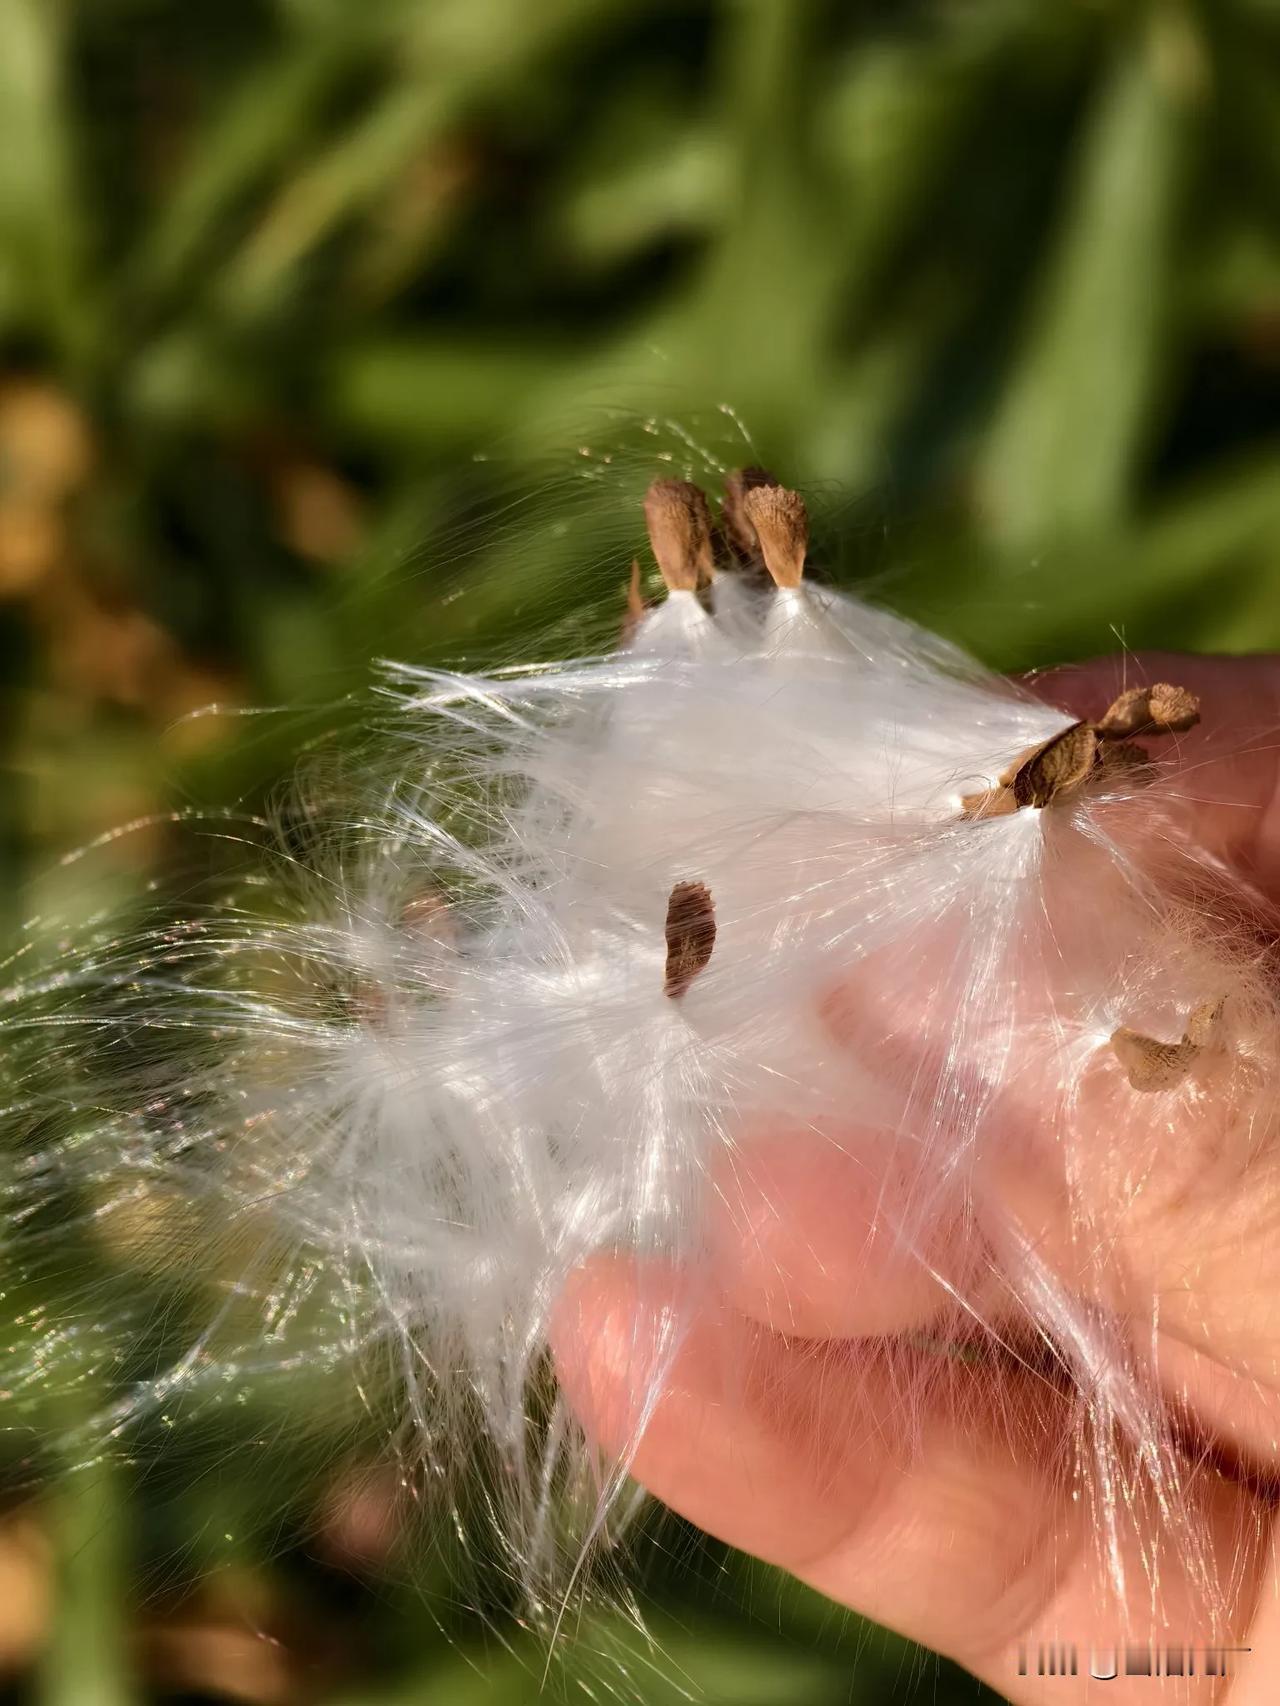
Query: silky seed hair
point(781, 864)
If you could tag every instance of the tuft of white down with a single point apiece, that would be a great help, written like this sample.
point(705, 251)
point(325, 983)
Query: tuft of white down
point(437, 1065)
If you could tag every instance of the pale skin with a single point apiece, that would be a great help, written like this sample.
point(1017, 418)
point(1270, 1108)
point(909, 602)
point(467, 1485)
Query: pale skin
point(973, 1545)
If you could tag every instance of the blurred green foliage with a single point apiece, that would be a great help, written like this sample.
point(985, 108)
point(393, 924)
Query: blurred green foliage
point(320, 322)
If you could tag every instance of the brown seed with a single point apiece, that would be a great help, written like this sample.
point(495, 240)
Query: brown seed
point(781, 522)
point(691, 935)
point(1057, 768)
point(1162, 709)
point(635, 598)
point(679, 523)
point(1152, 1065)
point(635, 603)
point(1205, 1022)
point(1126, 715)
point(1126, 758)
point(1060, 767)
point(1173, 709)
point(737, 529)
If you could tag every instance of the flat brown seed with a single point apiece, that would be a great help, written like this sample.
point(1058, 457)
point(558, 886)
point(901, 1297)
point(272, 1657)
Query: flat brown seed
point(1126, 715)
point(781, 522)
point(1204, 1023)
point(739, 534)
point(1060, 766)
point(634, 613)
point(1162, 709)
point(1173, 709)
point(1126, 758)
point(1152, 1065)
point(679, 523)
point(691, 935)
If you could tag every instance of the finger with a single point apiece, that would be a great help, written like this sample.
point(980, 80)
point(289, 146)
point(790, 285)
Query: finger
point(810, 1232)
point(798, 1452)
point(1164, 1208)
point(965, 1541)
point(845, 1227)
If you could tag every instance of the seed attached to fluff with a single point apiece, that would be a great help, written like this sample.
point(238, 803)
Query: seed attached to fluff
point(739, 534)
point(679, 524)
point(1051, 771)
point(781, 522)
point(1059, 768)
point(636, 605)
point(1153, 1065)
point(691, 935)
point(1162, 709)
point(1128, 757)
point(1205, 1022)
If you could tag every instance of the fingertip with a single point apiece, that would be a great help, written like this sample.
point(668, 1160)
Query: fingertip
point(614, 1333)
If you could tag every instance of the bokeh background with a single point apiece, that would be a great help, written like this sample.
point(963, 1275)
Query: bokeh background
point(325, 328)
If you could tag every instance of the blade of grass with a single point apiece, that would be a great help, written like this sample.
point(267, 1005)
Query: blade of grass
point(452, 57)
point(244, 143)
point(1065, 444)
point(41, 289)
point(86, 1662)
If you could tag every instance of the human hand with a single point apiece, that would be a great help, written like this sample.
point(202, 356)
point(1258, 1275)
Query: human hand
point(781, 1427)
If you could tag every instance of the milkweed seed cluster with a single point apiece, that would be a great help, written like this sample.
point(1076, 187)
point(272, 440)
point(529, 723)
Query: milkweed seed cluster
point(781, 865)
